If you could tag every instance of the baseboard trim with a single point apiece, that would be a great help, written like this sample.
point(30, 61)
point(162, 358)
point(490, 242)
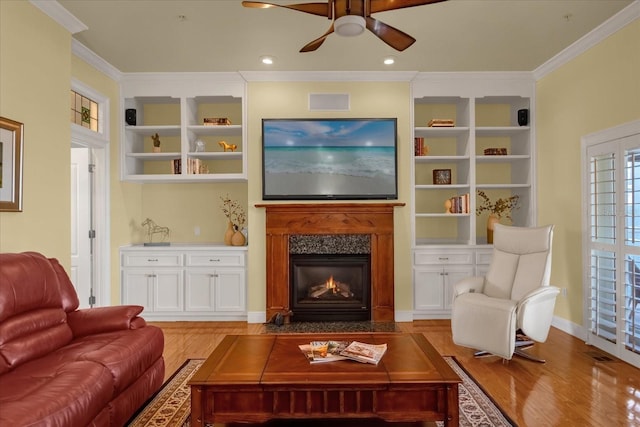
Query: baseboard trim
point(569, 327)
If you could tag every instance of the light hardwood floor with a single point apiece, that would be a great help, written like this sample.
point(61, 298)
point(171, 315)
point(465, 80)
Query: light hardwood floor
point(572, 389)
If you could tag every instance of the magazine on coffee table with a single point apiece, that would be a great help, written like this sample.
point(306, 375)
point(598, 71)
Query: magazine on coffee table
point(324, 351)
point(363, 352)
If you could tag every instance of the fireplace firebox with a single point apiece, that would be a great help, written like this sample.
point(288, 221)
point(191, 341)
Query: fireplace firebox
point(330, 287)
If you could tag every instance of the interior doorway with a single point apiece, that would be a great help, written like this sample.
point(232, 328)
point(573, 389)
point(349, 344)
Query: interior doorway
point(90, 203)
point(82, 225)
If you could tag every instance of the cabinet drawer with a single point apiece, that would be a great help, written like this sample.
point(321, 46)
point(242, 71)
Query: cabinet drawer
point(425, 258)
point(484, 257)
point(209, 259)
point(151, 259)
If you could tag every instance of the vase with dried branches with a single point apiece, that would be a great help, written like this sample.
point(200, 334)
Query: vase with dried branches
point(502, 207)
point(236, 218)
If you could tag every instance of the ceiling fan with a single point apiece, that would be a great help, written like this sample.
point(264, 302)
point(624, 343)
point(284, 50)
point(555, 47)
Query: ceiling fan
point(351, 17)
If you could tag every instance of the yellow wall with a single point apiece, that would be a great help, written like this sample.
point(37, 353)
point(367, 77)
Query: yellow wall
point(34, 90)
point(289, 100)
point(595, 91)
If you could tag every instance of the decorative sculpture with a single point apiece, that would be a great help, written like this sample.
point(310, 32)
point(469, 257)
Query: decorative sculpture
point(152, 229)
point(227, 147)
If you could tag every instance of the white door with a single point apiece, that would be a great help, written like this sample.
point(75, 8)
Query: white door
point(612, 242)
point(81, 223)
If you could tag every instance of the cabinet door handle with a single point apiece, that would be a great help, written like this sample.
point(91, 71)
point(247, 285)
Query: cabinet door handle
point(152, 259)
point(214, 260)
point(443, 259)
point(151, 275)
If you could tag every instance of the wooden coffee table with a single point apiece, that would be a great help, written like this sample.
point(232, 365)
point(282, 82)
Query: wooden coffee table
point(255, 378)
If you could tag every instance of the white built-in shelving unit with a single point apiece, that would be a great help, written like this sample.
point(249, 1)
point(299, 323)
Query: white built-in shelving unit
point(484, 107)
point(174, 107)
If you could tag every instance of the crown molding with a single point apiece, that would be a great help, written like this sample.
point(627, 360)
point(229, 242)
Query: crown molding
point(91, 58)
point(328, 76)
point(62, 16)
point(589, 40)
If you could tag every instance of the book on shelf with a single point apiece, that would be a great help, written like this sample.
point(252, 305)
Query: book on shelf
point(216, 121)
point(443, 123)
point(418, 147)
point(364, 353)
point(460, 204)
point(196, 167)
point(176, 166)
point(323, 351)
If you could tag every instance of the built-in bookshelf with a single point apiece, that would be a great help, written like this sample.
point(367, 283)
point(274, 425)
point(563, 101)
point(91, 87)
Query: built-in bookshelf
point(174, 107)
point(483, 148)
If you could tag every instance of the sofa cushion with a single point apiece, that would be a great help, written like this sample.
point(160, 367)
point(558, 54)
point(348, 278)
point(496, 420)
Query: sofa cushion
point(29, 281)
point(126, 354)
point(42, 393)
point(30, 335)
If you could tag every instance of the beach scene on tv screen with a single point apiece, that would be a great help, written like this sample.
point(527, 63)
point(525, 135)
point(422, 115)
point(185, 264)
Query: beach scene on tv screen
point(319, 158)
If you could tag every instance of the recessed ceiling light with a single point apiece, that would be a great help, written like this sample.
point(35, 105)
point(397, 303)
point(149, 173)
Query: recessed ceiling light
point(268, 60)
point(389, 60)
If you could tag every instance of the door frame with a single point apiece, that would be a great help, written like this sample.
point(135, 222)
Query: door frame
point(99, 142)
point(608, 140)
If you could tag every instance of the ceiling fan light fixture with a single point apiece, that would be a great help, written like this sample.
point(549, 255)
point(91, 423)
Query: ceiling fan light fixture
point(389, 60)
point(350, 25)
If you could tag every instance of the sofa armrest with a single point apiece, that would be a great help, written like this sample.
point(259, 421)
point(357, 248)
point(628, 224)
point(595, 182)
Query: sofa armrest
point(105, 319)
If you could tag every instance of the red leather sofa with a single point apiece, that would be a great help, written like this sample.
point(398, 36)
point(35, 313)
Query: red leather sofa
point(60, 366)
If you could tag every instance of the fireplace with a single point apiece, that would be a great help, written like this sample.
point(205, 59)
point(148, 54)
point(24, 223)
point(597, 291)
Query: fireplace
point(330, 287)
point(372, 221)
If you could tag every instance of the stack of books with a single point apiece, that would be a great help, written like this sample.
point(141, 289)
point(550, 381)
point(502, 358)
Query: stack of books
point(441, 123)
point(216, 121)
point(331, 351)
point(459, 204)
point(495, 151)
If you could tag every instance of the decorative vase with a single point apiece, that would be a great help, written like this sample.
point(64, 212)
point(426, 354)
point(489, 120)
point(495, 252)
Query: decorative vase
point(491, 223)
point(238, 238)
point(157, 149)
point(228, 235)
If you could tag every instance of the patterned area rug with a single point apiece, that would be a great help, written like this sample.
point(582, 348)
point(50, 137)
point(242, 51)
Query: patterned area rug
point(171, 406)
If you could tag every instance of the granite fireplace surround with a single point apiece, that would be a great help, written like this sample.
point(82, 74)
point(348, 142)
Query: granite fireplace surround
point(372, 219)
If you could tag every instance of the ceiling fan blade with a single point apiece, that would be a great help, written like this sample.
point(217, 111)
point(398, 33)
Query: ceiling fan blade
point(391, 36)
point(319, 9)
point(383, 5)
point(313, 45)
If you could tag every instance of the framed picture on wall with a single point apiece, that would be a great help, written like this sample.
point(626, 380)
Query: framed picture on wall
point(10, 165)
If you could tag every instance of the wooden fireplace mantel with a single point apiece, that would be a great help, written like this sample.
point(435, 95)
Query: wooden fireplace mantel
point(374, 219)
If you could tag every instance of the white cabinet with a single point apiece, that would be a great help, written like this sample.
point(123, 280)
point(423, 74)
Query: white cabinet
point(435, 272)
point(174, 106)
point(185, 282)
point(215, 281)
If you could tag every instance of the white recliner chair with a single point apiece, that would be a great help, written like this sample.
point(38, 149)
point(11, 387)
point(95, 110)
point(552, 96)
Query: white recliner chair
point(513, 298)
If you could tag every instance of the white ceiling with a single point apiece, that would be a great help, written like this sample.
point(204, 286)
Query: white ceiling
point(221, 35)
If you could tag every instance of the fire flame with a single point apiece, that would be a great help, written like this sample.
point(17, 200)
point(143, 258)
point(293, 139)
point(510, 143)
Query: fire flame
point(331, 284)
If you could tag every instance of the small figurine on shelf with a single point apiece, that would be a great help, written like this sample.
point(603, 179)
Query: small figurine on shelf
point(156, 143)
point(227, 147)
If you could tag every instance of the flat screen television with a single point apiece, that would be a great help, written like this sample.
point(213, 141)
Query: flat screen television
point(331, 159)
